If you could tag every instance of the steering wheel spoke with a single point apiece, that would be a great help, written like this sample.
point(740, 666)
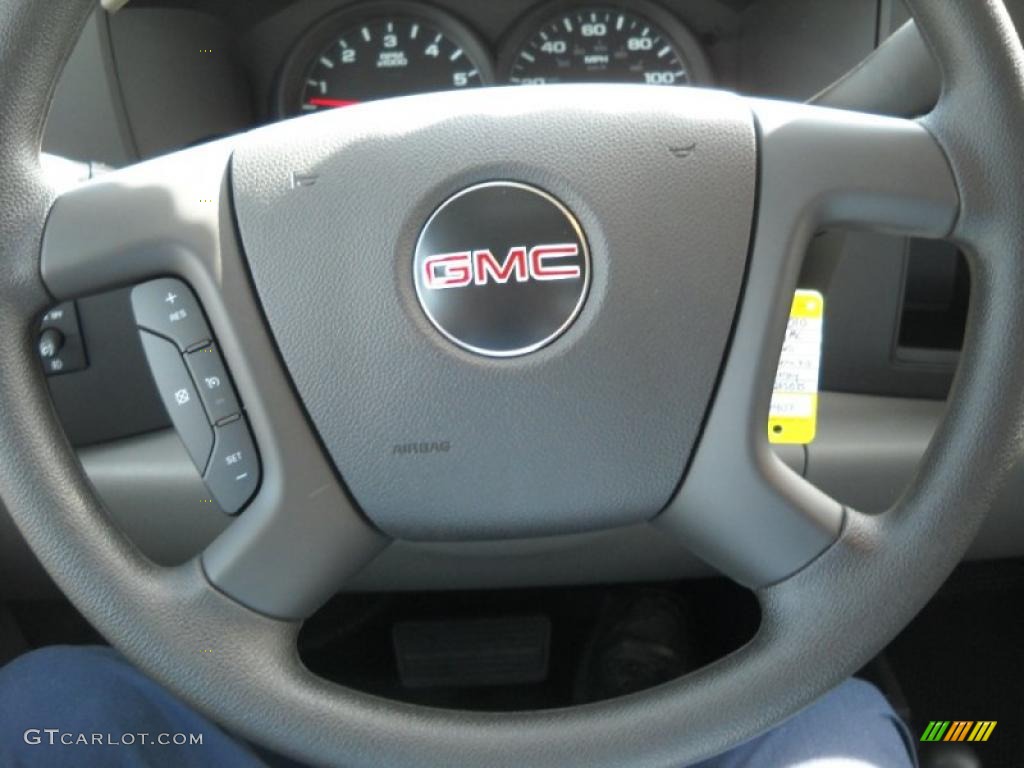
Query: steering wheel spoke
point(740, 507)
point(300, 537)
point(829, 168)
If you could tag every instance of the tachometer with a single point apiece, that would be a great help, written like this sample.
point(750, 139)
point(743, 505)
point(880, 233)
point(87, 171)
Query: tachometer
point(389, 49)
point(634, 43)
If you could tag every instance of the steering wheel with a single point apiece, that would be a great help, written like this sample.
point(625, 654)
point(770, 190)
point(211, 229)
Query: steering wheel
point(694, 209)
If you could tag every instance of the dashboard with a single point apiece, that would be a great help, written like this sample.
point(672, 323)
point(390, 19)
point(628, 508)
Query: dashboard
point(183, 71)
point(381, 50)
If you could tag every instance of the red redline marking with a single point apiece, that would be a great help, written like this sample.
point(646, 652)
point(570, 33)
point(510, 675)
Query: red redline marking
point(319, 101)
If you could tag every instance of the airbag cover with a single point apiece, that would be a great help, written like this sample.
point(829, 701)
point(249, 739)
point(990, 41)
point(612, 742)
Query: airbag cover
point(593, 430)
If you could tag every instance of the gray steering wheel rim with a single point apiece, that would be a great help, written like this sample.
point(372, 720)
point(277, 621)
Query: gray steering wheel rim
point(809, 639)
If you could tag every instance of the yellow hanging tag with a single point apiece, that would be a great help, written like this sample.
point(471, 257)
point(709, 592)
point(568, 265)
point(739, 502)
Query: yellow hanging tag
point(793, 417)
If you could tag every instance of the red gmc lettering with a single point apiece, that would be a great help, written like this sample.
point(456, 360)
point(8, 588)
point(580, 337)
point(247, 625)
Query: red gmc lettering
point(455, 270)
point(485, 262)
point(542, 253)
point(448, 270)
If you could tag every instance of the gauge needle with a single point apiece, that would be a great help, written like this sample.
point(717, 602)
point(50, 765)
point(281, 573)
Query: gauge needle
point(322, 102)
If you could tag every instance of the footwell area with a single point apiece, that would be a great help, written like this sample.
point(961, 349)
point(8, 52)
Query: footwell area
point(604, 641)
point(962, 658)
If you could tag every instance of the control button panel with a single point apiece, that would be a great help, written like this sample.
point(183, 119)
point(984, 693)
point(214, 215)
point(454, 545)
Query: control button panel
point(60, 345)
point(233, 471)
point(168, 308)
point(215, 390)
point(196, 390)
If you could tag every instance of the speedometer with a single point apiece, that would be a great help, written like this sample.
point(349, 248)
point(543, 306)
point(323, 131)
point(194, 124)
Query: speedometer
point(634, 43)
point(382, 50)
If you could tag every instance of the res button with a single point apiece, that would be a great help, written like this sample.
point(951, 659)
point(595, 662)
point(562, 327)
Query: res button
point(168, 307)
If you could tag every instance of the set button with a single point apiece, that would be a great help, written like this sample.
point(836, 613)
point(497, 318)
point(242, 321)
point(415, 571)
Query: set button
point(234, 469)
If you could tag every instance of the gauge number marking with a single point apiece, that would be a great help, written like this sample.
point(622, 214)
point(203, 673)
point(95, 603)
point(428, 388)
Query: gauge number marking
point(599, 45)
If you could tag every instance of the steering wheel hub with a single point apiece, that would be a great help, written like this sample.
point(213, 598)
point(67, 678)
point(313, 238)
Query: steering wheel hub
point(627, 326)
point(502, 269)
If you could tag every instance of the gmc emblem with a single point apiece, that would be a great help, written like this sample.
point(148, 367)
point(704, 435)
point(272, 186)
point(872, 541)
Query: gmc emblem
point(541, 262)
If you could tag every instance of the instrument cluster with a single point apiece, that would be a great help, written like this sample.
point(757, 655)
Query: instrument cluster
point(383, 49)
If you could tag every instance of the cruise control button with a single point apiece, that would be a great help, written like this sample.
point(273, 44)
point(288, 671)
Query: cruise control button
point(179, 397)
point(234, 470)
point(211, 378)
point(60, 345)
point(50, 342)
point(168, 307)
